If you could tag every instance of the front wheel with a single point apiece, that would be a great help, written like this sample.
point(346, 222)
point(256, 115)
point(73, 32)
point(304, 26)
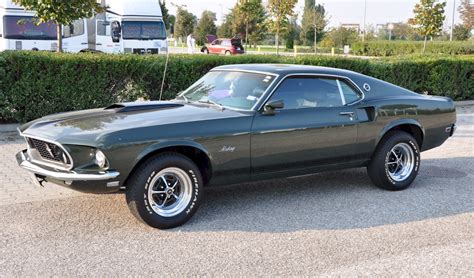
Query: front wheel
point(205, 51)
point(165, 191)
point(396, 161)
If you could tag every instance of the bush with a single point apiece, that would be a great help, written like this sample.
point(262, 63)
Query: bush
point(34, 84)
point(392, 48)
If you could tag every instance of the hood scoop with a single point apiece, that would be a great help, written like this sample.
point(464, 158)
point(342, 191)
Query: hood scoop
point(141, 106)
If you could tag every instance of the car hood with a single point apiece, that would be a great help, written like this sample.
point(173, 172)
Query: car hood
point(86, 126)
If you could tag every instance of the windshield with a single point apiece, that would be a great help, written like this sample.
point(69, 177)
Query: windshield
point(24, 28)
point(143, 30)
point(239, 90)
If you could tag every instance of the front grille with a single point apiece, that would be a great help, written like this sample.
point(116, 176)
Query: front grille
point(48, 151)
point(145, 51)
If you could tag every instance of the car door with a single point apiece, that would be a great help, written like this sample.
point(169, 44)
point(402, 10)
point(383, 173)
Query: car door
point(103, 40)
point(315, 127)
point(215, 47)
point(75, 36)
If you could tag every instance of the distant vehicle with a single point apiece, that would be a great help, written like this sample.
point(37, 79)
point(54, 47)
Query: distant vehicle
point(126, 27)
point(238, 123)
point(223, 46)
point(18, 30)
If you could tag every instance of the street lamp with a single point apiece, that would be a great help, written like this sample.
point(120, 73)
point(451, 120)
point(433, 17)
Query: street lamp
point(452, 21)
point(365, 17)
point(390, 28)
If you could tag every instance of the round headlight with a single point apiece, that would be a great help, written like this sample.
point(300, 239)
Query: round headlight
point(100, 159)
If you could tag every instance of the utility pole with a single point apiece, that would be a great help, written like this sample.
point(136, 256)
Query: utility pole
point(365, 17)
point(452, 21)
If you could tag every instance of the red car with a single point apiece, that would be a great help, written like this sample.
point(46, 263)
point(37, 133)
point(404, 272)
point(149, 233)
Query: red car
point(222, 46)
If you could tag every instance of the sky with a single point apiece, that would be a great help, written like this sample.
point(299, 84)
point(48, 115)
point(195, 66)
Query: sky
point(340, 11)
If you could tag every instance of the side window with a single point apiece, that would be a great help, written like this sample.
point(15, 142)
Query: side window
point(102, 28)
point(74, 29)
point(226, 43)
point(308, 92)
point(349, 93)
point(216, 42)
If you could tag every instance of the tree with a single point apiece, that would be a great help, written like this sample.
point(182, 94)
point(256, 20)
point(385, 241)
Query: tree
point(185, 22)
point(342, 36)
point(292, 33)
point(429, 17)
point(226, 30)
point(403, 31)
point(250, 14)
point(313, 23)
point(172, 23)
point(466, 9)
point(205, 26)
point(61, 12)
point(461, 32)
point(165, 14)
point(279, 11)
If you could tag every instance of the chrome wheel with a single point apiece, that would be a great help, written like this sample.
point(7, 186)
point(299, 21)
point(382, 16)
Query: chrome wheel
point(170, 192)
point(400, 161)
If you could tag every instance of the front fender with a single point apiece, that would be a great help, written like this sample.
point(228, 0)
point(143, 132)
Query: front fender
point(398, 122)
point(166, 144)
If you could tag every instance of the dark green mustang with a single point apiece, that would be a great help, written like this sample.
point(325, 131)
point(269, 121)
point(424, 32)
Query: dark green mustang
point(238, 123)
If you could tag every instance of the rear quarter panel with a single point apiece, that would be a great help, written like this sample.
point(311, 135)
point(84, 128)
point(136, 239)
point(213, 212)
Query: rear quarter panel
point(386, 106)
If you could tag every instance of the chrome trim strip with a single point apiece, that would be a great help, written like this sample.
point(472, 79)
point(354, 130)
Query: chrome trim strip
point(45, 161)
point(62, 176)
point(316, 74)
point(340, 92)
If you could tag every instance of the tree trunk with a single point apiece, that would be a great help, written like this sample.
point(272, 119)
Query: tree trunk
point(277, 40)
point(59, 35)
point(315, 40)
point(247, 35)
point(424, 44)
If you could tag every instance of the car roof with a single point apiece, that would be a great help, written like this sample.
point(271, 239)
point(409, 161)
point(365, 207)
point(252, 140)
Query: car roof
point(286, 69)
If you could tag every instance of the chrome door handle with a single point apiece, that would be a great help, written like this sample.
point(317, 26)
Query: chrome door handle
point(350, 114)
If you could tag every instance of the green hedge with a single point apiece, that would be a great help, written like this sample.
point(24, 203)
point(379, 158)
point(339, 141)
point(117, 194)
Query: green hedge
point(35, 84)
point(392, 48)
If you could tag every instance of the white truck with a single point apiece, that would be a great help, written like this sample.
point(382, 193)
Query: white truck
point(126, 27)
point(18, 30)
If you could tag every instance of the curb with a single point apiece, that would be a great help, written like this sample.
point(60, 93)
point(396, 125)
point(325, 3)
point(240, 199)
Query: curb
point(8, 127)
point(464, 103)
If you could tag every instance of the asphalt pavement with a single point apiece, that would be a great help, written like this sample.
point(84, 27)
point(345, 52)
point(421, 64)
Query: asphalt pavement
point(334, 223)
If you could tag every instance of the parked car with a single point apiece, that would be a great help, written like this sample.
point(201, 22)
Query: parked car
point(222, 46)
point(238, 123)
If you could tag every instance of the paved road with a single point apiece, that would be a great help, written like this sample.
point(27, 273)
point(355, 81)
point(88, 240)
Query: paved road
point(333, 223)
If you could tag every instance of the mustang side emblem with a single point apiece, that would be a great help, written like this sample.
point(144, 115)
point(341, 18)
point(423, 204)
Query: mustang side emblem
point(227, 149)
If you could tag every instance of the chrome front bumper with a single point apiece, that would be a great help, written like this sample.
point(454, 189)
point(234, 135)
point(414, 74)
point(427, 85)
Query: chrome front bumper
point(24, 162)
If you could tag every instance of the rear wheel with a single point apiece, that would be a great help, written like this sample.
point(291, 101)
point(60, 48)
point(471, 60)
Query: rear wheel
point(228, 52)
point(396, 161)
point(165, 191)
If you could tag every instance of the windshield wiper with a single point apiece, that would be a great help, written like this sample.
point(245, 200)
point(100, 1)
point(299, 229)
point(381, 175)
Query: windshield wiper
point(185, 98)
point(208, 101)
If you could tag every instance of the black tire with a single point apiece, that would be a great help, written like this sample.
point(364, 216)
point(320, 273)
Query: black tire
point(227, 52)
point(205, 51)
point(384, 161)
point(149, 176)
